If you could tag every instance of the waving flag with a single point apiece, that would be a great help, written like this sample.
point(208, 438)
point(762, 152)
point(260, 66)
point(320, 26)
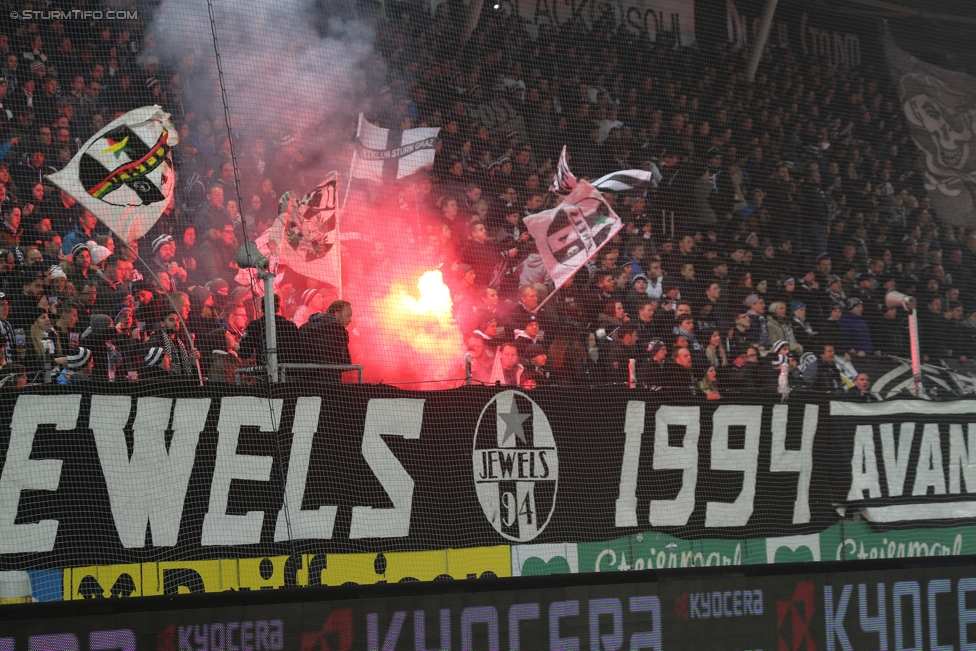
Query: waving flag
point(571, 233)
point(940, 106)
point(637, 181)
point(564, 181)
point(305, 235)
point(390, 154)
point(124, 174)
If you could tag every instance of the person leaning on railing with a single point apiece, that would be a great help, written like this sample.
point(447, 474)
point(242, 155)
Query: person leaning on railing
point(326, 341)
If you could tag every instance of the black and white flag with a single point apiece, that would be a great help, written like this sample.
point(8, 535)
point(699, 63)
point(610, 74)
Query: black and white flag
point(390, 154)
point(124, 174)
point(564, 181)
point(634, 181)
point(940, 106)
point(573, 232)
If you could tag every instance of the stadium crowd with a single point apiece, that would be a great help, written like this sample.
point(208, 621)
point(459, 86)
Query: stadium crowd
point(780, 215)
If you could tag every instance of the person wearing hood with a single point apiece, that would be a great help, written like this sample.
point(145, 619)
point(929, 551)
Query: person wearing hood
point(326, 340)
point(532, 270)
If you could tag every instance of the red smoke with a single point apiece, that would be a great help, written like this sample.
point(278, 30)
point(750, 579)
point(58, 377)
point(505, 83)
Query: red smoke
point(402, 331)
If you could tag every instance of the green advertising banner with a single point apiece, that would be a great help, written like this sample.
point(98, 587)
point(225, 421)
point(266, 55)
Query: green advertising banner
point(650, 550)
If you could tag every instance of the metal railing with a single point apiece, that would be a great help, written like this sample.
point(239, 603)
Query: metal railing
point(311, 367)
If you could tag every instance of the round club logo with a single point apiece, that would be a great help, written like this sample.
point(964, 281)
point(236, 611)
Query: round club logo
point(516, 468)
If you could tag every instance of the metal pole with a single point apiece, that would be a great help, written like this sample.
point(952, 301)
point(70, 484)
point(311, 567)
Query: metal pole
point(467, 369)
point(271, 334)
point(916, 364)
point(760, 43)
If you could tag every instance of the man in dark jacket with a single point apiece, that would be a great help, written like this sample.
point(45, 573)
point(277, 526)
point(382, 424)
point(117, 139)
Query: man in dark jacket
point(822, 375)
point(253, 344)
point(623, 349)
point(679, 378)
point(218, 255)
point(326, 340)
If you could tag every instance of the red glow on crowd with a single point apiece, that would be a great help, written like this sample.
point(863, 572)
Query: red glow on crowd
point(403, 331)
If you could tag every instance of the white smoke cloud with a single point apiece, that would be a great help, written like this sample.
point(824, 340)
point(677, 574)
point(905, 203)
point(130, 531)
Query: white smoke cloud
point(289, 71)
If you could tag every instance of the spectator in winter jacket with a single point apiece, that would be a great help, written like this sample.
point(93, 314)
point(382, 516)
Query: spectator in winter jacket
point(326, 341)
point(857, 334)
point(83, 232)
point(822, 375)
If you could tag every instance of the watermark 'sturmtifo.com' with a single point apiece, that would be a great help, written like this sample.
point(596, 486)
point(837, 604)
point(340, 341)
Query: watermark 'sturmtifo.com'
point(75, 14)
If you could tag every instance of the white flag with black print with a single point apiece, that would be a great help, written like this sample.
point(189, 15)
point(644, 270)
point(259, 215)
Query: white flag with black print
point(390, 154)
point(632, 181)
point(564, 181)
point(940, 106)
point(305, 236)
point(571, 233)
point(124, 174)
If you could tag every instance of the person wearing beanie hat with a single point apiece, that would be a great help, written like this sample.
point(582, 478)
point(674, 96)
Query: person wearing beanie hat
point(99, 254)
point(313, 302)
point(784, 366)
point(530, 333)
point(156, 365)
point(803, 330)
point(164, 254)
point(76, 366)
point(536, 358)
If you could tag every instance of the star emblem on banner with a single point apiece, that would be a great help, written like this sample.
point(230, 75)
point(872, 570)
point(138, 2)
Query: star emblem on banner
point(513, 424)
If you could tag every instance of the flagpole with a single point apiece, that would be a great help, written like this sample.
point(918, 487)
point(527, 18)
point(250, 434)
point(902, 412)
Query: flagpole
point(352, 165)
point(345, 198)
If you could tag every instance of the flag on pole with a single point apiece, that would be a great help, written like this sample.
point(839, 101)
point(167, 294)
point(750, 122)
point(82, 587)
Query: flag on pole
point(636, 181)
point(571, 233)
point(390, 154)
point(564, 181)
point(305, 236)
point(124, 174)
point(940, 106)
